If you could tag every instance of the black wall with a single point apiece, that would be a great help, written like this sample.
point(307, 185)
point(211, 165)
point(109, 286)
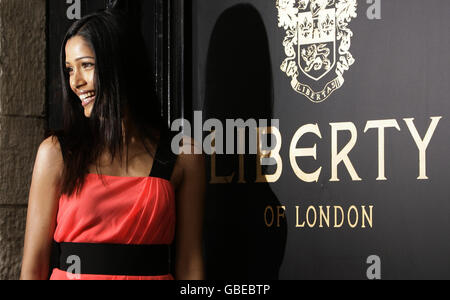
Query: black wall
point(401, 70)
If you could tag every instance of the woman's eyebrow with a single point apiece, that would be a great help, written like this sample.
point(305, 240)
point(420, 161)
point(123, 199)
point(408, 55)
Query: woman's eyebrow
point(80, 58)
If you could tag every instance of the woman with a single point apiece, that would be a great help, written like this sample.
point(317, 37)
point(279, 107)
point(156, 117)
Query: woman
point(91, 193)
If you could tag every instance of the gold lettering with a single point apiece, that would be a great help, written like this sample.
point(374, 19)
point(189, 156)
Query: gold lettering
point(336, 208)
point(366, 216)
point(352, 208)
point(422, 145)
point(337, 158)
point(324, 217)
point(297, 212)
point(269, 208)
point(304, 152)
point(281, 213)
point(381, 125)
point(313, 209)
point(318, 97)
point(265, 154)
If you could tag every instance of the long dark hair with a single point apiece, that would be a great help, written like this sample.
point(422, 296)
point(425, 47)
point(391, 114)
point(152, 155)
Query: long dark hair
point(124, 85)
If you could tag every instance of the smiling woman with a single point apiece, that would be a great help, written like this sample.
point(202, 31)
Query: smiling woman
point(107, 189)
point(80, 65)
point(109, 106)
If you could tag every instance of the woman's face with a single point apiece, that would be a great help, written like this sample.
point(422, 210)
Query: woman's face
point(80, 65)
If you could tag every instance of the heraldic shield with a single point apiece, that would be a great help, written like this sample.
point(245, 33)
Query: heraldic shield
point(316, 38)
point(317, 42)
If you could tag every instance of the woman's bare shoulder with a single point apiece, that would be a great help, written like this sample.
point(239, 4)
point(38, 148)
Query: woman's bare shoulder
point(191, 156)
point(49, 159)
point(50, 147)
point(190, 145)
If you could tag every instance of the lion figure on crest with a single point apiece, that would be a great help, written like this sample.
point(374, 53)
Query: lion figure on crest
point(316, 56)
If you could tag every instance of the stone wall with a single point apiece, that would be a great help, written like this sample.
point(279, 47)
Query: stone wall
point(22, 119)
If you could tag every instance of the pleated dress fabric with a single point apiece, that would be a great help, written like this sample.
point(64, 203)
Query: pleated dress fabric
point(119, 210)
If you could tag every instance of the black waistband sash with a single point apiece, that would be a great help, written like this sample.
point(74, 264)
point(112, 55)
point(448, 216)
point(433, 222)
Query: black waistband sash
point(114, 259)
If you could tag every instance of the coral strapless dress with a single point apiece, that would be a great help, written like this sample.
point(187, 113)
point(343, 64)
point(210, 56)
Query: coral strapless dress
point(120, 210)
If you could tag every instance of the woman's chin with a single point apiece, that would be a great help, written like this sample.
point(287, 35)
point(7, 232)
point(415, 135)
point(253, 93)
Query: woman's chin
point(88, 110)
point(87, 114)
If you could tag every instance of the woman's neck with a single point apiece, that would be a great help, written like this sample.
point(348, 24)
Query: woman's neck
point(129, 131)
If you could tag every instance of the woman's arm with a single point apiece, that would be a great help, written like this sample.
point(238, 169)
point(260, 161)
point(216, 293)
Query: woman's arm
point(190, 201)
point(42, 211)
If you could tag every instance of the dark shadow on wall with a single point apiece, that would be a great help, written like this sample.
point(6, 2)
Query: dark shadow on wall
point(238, 244)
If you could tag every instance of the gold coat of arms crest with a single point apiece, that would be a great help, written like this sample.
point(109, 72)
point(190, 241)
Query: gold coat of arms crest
point(317, 42)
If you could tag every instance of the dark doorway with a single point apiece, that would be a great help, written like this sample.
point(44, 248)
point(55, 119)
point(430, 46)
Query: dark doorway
point(154, 18)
